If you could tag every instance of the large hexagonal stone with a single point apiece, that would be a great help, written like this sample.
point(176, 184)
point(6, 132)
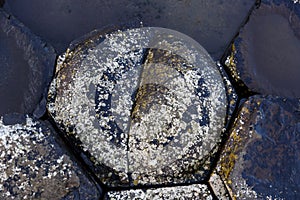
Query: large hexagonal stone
point(261, 159)
point(146, 104)
point(266, 51)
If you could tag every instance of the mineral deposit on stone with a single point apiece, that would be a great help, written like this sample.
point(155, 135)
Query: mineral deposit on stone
point(267, 49)
point(147, 104)
point(26, 66)
point(33, 166)
point(27, 158)
point(261, 157)
point(196, 191)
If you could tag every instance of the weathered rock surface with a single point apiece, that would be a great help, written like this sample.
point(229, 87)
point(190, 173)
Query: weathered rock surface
point(196, 191)
point(34, 166)
point(26, 65)
point(267, 50)
point(261, 157)
point(148, 105)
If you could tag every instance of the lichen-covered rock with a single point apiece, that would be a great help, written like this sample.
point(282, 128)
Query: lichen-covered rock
point(265, 55)
point(261, 157)
point(34, 166)
point(147, 104)
point(26, 65)
point(218, 186)
point(196, 191)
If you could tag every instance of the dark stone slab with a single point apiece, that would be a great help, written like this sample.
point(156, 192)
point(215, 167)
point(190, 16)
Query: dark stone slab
point(33, 165)
point(267, 50)
point(26, 65)
point(261, 157)
point(213, 23)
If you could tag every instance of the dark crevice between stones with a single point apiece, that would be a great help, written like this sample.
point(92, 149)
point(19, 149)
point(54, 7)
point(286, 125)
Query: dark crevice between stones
point(226, 134)
point(78, 156)
point(2, 2)
point(214, 196)
point(241, 89)
point(255, 6)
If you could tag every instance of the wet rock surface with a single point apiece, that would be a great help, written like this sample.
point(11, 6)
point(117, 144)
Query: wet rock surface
point(267, 48)
point(148, 103)
point(261, 157)
point(212, 23)
point(260, 160)
point(196, 191)
point(34, 166)
point(26, 65)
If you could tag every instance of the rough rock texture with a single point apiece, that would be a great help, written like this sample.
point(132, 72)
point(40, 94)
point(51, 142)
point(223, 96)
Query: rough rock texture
point(34, 166)
point(147, 104)
point(265, 55)
point(26, 65)
point(196, 191)
point(213, 23)
point(261, 157)
point(218, 186)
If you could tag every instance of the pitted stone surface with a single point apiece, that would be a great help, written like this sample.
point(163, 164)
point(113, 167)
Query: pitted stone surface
point(30, 167)
point(33, 165)
point(196, 191)
point(148, 103)
point(261, 158)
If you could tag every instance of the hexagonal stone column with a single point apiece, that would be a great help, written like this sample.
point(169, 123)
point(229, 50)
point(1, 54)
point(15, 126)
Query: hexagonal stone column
point(26, 65)
point(147, 105)
point(261, 158)
point(264, 59)
point(33, 165)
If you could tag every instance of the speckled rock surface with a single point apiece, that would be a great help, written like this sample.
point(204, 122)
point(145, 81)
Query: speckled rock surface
point(261, 157)
point(34, 166)
point(196, 191)
point(148, 103)
point(266, 52)
point(212, 23)
point(26, 65)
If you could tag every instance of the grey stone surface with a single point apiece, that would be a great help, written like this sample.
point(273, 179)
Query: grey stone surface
point(213, 23)
point(34, 166)
point(26, 65)
point(261, 158)
point(196, 191)
point(267, 49)
point(148, 103)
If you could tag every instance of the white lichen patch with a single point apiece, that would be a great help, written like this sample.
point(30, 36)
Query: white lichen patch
point(30, 167)
point(218, 186)
point(196, 191)
point(141, 101)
